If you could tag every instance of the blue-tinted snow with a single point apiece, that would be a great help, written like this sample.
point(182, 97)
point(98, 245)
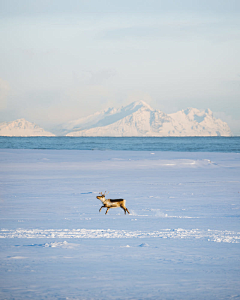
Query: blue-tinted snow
point(181, 240)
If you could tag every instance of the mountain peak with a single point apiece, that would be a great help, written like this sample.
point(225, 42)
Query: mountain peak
point(197, 114)
point(22, 127)
point(21, 122)
point(139, 119)
point(139, 104)
point(135, 119)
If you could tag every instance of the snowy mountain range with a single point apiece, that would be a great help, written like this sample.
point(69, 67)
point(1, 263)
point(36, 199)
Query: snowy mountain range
point(135, 119)
point(139, 119)
point(21, 127)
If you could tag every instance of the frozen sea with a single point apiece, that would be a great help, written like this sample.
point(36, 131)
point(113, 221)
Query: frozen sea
point(180, 241)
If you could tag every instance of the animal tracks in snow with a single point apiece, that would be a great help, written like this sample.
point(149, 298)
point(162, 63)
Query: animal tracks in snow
point(179, 233)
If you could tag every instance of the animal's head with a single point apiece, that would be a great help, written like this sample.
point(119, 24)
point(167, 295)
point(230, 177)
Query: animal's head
point(102, 196)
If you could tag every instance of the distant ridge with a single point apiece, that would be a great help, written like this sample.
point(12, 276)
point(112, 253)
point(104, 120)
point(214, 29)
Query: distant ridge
point(21, 127)
point(139, 119)
point(135, 119)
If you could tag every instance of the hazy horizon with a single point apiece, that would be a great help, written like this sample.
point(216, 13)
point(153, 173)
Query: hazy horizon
point(63, 60)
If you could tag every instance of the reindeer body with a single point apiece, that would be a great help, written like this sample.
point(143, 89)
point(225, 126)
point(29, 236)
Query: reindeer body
point(109, 203)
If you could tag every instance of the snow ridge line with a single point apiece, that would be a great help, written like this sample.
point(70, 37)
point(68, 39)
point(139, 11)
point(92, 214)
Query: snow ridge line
point(179, 233)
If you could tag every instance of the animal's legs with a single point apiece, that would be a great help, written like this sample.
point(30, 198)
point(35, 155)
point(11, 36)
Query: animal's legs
point(125, 209)
point(101, 208)
point(128, 211)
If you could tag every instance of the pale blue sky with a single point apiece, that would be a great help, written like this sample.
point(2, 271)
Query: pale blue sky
point(61, 60)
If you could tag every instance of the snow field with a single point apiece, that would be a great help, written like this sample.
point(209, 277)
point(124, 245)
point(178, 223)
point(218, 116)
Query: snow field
point(181, 240)
point(210, 235)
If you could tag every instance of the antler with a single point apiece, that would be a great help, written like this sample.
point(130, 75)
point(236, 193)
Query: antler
point(104, 193)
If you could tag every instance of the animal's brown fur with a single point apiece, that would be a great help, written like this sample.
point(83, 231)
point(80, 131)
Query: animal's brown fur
point(109, 203)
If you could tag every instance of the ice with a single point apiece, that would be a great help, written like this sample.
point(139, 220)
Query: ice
point(181, 240)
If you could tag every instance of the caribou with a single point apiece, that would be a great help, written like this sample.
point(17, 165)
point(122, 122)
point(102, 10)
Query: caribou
point(109, 203)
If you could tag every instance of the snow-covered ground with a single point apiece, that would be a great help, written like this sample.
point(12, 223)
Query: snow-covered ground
point(181, 240)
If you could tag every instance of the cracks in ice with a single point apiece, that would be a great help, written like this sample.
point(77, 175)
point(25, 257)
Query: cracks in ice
point(179, 233)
